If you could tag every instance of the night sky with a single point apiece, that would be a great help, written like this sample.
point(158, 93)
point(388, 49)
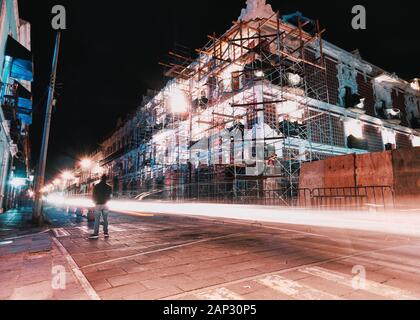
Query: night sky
point(111, 49)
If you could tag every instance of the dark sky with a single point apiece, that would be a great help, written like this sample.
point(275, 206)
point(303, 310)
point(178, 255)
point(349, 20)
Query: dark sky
point(111, 49)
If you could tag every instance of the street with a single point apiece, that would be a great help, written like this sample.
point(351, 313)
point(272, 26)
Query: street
point(160, 256)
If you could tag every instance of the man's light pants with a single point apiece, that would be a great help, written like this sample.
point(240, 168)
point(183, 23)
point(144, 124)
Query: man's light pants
point(101, 211)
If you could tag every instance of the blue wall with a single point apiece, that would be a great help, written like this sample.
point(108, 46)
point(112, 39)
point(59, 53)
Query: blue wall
point(10, 26)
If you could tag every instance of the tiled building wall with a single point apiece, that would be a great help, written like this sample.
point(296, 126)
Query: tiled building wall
point(403, 141)
point(332, 81)
point(270, 116)
point(373, 135)
point(326, 129)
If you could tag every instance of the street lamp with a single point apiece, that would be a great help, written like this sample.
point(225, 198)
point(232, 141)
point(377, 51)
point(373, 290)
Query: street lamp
point(40, 180)
point(86, 164)
point(67, 176)
point(18, 182)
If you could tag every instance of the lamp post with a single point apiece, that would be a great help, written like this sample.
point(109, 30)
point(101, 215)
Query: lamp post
point(40, 180)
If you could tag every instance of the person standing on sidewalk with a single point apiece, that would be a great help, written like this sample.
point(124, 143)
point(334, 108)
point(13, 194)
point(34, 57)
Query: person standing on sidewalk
point(101, 195)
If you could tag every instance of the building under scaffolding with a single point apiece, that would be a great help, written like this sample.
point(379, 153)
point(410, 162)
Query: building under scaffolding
point(235, 122)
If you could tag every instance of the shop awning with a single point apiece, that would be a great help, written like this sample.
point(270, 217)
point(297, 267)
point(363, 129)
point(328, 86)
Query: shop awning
point(22, 64)
point(24, 97)
point(24, 104)
point(25, 118)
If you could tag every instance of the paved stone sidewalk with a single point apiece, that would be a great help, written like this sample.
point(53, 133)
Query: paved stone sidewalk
point(31, 265)
point(26, 271)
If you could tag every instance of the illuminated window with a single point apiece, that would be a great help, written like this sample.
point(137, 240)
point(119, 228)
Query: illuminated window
point(389, 136)
point(416, 141)
point(354, 128)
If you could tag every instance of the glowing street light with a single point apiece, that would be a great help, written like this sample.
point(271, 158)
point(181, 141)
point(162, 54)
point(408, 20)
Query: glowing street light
point(86, 164)
point(18, 182)
point(47, 189)
point(67, 176)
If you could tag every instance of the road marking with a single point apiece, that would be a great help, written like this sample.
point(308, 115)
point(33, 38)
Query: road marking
point(76, 271)
point(371, 286)
point(116, 229)
point(60, 233)
point(133, 227)
point(251, 223)
point(294, 289)
point(188, 244)
point(386, 264)
point(281, 271)
point(219, 294)
point(84, 229)
point(135, 213)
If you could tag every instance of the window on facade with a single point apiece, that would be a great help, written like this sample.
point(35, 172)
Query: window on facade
point(352, 100)
point(270, 115)
point(357, 143)
point(236, 81)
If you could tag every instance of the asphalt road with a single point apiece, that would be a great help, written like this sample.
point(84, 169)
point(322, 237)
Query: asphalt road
point(158, 256)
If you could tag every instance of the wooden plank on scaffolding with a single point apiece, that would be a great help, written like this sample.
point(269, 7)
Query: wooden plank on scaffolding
point(257, 103)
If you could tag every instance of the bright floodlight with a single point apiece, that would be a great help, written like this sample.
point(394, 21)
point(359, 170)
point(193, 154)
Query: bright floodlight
point(67, 176)
point(294, 79)
point(86, 164)
point(178, 101)
point(354, 127)
point(259, 74)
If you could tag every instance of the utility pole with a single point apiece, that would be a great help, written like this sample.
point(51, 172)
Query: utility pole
point(40, 177)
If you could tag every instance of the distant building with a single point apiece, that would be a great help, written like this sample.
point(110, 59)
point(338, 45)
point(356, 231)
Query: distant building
point(16, 74)
point(87, 174)
point(239, 120)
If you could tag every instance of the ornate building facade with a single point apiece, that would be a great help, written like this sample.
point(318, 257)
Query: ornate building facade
point(257, 102)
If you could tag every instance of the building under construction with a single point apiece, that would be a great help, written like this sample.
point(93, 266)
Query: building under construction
point(237, 120)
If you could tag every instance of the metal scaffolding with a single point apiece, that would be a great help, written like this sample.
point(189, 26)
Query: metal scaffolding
point(250, 117)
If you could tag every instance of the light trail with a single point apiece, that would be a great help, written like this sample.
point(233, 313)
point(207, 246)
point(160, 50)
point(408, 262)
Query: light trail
point(397, 223)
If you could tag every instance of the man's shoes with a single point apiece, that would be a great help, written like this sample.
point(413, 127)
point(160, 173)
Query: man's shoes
point(106, 235)
point(93, 237)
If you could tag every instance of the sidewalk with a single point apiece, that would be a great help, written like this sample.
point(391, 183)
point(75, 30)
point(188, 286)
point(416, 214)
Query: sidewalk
point(15, 223)
point(32, 267)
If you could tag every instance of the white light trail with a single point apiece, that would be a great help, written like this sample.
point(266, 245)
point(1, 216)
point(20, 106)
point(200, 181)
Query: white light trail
point(60, 200)
point(397, 223)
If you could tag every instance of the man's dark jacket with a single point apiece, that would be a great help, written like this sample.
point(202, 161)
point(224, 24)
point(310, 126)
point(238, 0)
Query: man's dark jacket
point(102, 194)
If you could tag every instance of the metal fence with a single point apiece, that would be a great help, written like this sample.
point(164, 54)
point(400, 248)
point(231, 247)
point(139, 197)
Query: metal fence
point(256, 192)
point(359, 198)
